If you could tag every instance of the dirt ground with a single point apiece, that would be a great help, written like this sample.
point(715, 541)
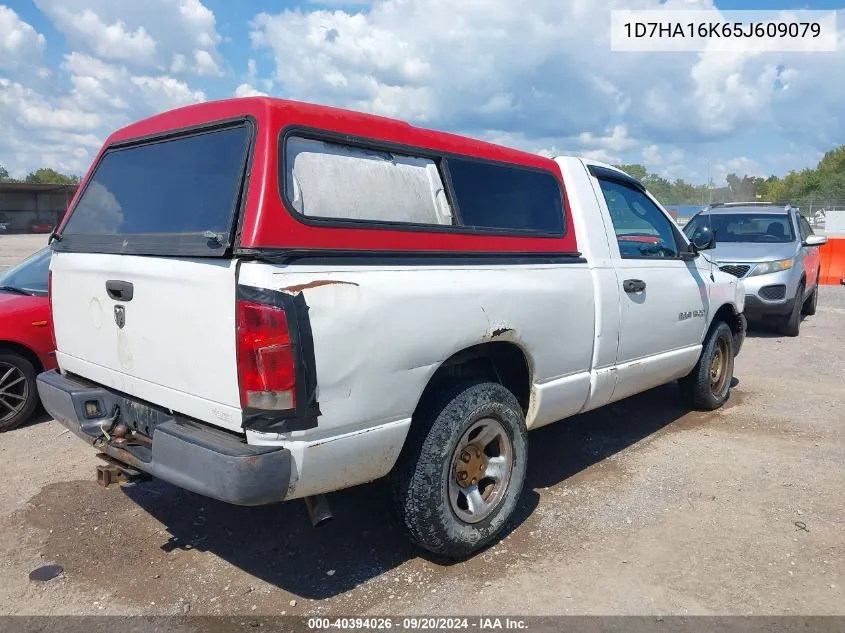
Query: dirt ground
point(640, 508)
point(13, 248)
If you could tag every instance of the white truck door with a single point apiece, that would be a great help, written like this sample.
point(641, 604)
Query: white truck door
point(664, 299)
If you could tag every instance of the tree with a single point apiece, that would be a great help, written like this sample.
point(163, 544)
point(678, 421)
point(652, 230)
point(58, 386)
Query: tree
point(659, 187)
point(4, 175)
point(635, 171)
point(45, 176)
point(744, 189)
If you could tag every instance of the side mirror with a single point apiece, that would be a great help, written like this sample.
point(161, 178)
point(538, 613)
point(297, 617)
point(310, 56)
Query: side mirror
point(815, 240)
point(703, 239)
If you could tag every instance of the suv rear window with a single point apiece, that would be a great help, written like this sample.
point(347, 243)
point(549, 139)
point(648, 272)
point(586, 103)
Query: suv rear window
point(169, 197)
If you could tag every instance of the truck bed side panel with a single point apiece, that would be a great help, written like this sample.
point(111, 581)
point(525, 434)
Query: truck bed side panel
point(380, 333)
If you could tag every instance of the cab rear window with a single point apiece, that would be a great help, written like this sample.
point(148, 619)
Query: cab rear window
point(164, 197)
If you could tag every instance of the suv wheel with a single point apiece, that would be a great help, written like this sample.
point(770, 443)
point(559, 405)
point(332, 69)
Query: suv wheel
point(18, 394)
point(809, 308)
point(462, 468)
point(791, 324)
point(708, 385)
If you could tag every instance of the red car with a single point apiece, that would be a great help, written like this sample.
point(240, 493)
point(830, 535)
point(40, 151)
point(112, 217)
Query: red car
point(26, 342)
point(41, 226)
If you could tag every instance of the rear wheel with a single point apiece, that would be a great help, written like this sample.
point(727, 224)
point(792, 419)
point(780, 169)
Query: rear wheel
point(461, 471)
point(708, 385)
point(791, 324)
point(18, 395)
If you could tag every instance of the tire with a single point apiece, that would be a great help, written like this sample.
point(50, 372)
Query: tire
point(425, 480)
point(790, 325)
point(18, 394)
point(700, 387)
point(810, 305)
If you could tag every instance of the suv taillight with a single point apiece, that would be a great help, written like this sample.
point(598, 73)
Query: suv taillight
point(266, 370)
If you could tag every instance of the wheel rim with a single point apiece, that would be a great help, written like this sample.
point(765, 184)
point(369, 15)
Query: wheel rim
point(719, 367)
point(14, 391)
point(480, 470)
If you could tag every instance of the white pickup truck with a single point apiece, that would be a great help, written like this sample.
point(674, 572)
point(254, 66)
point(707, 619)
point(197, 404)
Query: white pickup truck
point(260, 300)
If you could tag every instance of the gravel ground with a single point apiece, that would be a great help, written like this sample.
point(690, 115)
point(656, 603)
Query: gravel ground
point(13, 248)
point(639, 508)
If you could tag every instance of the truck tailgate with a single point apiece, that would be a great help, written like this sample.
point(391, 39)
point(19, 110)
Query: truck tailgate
point(160, 329)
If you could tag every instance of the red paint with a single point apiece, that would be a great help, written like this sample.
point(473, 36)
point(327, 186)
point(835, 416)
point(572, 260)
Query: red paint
point(267, 223)
point(17, 315)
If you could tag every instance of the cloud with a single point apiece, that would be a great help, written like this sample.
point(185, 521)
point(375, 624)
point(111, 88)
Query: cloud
point(36, 131)
point(205, 64)
point(110, 41)
point(124, 61)
point(165, 92)
point(534, 74)
point(538, 66)
point(30, 110)
point(616, 140)
point(656, 157)
point(153, 34)
point(64, 129)
point(20, 44)
point(247, 90)
point(739, 165)
point(541, 67)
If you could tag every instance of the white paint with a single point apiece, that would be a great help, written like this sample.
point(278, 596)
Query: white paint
point(640, 375)
point(359, 456)
point(177, 348)
point(559, 398)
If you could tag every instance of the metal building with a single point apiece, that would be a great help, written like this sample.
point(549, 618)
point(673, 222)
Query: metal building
point(32, 208)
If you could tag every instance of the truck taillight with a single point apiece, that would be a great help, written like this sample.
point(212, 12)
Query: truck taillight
point(266, 370)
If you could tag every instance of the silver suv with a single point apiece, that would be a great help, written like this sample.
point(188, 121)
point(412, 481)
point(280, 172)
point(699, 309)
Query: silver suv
point(773, 250)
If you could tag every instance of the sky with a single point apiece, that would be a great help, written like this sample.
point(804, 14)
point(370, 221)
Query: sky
point(538, 75)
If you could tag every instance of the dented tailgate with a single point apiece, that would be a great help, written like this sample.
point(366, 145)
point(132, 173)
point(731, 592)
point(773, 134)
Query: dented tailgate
point(172, 343)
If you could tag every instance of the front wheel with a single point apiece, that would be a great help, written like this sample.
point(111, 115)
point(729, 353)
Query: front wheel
point(18, 395)
point(461, 471)
point(708, 385)
point(791, 324)
point(811, 303)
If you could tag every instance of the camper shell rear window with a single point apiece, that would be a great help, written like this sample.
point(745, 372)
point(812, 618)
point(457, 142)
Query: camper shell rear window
point(176, 195)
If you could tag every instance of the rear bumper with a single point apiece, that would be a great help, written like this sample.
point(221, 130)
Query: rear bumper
point(199, 458)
